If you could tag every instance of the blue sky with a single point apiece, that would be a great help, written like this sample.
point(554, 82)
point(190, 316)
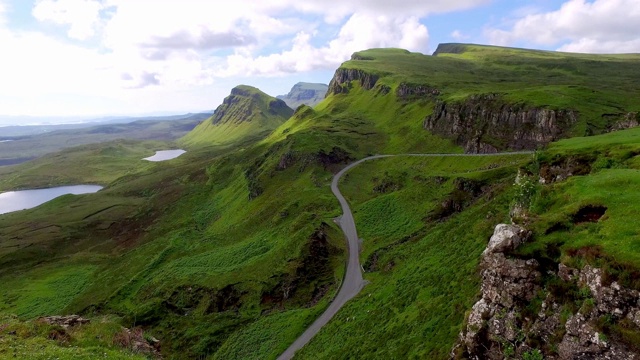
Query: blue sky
point(127, 57)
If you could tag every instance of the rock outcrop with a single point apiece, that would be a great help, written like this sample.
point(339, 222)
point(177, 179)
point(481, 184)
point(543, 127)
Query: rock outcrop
point(416, 91)
point(487, 124)
point(504, 323)
point(630, 120)
point(64, 321)
point(341, 82)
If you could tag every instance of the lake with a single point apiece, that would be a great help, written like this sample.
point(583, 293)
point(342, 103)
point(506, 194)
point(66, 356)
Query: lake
point(1, 141)
point(164, 155)
point(27, 199)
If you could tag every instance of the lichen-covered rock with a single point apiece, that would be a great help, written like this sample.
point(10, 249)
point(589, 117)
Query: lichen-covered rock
point(502, 318)
point(506, 283)
point(583, 341)
point(613, 300)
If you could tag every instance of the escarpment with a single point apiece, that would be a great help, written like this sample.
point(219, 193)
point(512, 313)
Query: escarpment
point(341, 81)
point(488, 124)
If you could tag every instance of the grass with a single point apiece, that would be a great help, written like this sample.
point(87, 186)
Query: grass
point(89, 164)
point(599, 87)
point(422, 273)
point(37, 340)
point(613, 177)
point(246, 114)
point(231, 250)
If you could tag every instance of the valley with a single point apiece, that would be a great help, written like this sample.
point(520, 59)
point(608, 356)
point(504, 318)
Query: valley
point(236, 247)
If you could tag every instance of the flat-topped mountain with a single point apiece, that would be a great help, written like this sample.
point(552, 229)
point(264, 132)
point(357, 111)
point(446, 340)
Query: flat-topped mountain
point(303, 93)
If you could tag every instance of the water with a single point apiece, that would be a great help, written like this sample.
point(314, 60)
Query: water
point(27, 199)
point(1, 141)
point(165, 155)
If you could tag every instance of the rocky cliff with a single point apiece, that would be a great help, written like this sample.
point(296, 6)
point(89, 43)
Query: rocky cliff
point(341, 82)
point(302, 93)
point(563, 313)
point(488, 124)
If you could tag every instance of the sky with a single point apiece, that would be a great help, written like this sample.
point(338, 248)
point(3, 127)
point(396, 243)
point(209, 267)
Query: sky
point(89, 58)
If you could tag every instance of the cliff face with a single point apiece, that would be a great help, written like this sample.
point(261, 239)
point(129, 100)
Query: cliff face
point(487, 124)
point(304, 94)
point(343, 77)
point(506, 323)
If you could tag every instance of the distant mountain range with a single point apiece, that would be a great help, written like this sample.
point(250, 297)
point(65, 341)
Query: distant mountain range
point(35, 126)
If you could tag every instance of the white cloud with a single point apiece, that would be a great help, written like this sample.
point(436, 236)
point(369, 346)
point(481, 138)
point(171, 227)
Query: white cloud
point(81, 16)
point(360, 32)
point(580, 26)
point(173, 48)
point(458, 35)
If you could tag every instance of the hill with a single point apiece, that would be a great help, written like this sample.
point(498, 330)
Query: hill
point(230, 252)
point(247, 113)
point(302, 93)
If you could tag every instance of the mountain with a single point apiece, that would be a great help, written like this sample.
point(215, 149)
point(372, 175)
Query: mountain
point(246, 113)
point(232, 251)
point(34, 128)
point(309, 94)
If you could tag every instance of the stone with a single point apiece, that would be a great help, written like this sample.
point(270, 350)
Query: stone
point(506, 238)
point(64, 321)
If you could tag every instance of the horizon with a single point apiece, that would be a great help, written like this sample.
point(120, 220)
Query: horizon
point(86, 59)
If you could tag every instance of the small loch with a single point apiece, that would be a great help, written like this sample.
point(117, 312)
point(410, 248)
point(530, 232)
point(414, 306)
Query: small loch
point(26, 199)
point(165, 155)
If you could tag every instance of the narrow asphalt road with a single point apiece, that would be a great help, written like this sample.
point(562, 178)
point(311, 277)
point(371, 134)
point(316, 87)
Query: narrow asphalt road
point(353, 281)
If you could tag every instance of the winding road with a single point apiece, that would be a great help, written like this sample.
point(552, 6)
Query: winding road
point(353, 281)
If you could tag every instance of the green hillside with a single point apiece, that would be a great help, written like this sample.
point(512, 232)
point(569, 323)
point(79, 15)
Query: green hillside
point(230, 251)
point(246, 114)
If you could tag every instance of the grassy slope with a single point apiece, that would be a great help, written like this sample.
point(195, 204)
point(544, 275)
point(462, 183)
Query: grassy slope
point(36, 340)
point(245, 115)
point(612, 182)
point(162, 246)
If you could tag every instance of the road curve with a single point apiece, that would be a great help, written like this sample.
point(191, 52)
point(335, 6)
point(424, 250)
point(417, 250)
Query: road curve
point(353, 281)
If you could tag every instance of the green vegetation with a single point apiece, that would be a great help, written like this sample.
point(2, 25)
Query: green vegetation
point(593, 211)
point(599, 87)
point(38, 340)
point(245, 115)
point(230, 250)
point(422, 269)
point(90, 164)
